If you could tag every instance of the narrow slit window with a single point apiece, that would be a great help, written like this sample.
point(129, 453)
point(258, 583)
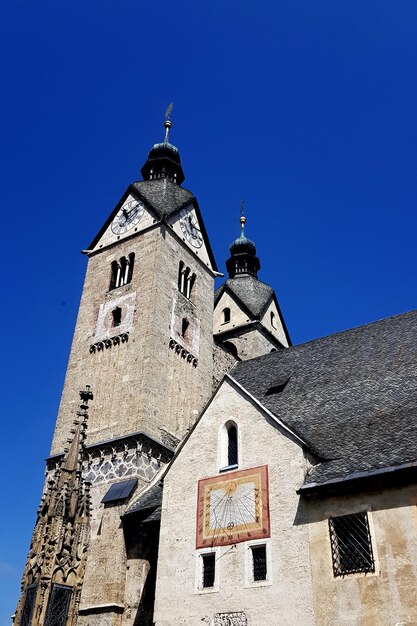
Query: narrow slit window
point(273, 322)
point(28, 606)
point(351, 544)
point(184, 327)
point(226, 315)
point(232, 455)
point(209, 569)
point(259, 563)
point(117, 316)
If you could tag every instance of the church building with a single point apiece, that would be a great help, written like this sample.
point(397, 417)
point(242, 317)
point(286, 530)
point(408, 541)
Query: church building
point(204, 470)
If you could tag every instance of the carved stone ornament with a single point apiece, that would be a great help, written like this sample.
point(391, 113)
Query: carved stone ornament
point(108, 343)
point(57, 556)
point(230, 619)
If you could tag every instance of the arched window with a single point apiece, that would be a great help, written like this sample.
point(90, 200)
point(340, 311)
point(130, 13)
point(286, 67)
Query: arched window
point(122, 271)
point(186, 280)
point(273, 323)
point(232, 456)
point(226, 315)
point(229, 446)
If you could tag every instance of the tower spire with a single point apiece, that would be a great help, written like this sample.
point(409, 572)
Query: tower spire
point(164, 159)
point(55, 565)
point(243, 259)
point(168, 123)
point(242, 218)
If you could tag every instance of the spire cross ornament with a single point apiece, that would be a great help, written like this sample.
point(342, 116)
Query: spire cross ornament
point(168, 123)
point(242, 218)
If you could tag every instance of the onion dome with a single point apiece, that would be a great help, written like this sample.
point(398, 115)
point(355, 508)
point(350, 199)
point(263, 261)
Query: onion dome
point(243, 259)
point(164, 159)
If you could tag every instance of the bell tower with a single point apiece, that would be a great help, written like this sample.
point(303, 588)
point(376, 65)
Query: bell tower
point(143, 337)
point(144, 343)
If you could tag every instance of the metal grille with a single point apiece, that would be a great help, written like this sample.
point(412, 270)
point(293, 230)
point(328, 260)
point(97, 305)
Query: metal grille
point(58, 605)
point(259, 562)
point(209, 569)
point(232, 445)
point(28, 606)
point(351, 544)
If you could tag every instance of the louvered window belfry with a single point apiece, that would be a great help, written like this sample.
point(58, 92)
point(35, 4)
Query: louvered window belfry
point(122, 271)
point(186, 280)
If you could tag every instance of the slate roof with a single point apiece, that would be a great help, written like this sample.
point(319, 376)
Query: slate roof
point(149, 504)
point(163, 195)
point(250, 291)
point(351, 397)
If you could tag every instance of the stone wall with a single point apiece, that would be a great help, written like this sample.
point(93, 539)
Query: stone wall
point(140, 382)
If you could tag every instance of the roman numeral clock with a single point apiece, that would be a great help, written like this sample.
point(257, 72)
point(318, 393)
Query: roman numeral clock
point(233, 507)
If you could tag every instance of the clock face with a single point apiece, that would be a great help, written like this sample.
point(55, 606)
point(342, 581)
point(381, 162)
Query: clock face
point(233, 507)
point(189, 227)
point(127, 217)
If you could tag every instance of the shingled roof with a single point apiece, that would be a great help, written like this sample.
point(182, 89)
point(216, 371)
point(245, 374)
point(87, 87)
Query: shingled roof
point(149, 504)
point(248, 290)
point(163, 195)
point(352, 397)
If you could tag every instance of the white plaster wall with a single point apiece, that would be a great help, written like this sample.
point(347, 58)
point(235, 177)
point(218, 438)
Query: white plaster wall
point(288, 600)
point(174, 222)
point(278, 330)
point(148, 218)
point(384, 598)
point(237, 316)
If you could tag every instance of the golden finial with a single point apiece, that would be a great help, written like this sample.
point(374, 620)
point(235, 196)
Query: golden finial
point(242, 218)
point(168, 123)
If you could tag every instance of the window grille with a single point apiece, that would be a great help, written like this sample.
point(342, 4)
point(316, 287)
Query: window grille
point(351, 544)
point(232, 456)
point(58, 605)
point(259, 562)
point(209, 569)
point(28, 606)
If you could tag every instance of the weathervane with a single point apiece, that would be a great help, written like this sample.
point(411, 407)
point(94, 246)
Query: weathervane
point(168, 123)
point(242, 218)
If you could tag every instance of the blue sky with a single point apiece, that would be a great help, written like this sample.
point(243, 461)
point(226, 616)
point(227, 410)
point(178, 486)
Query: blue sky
point(306, 109)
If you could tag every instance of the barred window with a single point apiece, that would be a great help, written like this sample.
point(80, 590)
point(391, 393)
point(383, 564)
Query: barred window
point(28, 606)
point(231, 443)
point(58, 605)
point(209, 569)
point(351, 544)
point(259, 567)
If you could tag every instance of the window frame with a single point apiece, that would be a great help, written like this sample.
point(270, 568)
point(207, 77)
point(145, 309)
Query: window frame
point(338, 572)
point(199, 571)
point(249, 566)
point(121, 271)
point(223, 446)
